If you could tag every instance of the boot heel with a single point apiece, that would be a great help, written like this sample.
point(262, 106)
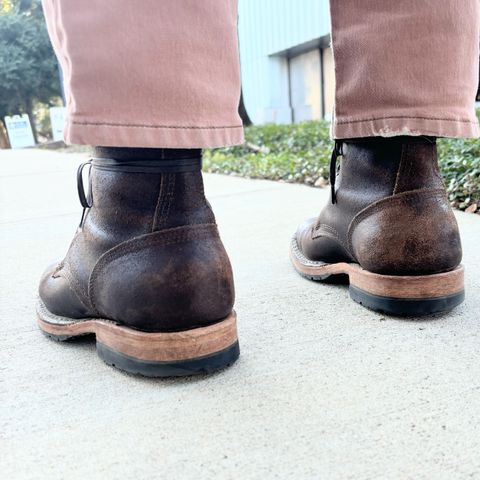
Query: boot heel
point(407, 295)
point(200, 350)
point(158, 354)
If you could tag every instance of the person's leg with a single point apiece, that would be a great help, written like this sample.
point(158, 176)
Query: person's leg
point(149, 85)
point(405, 68)
point(149, 74)
point(406, 73)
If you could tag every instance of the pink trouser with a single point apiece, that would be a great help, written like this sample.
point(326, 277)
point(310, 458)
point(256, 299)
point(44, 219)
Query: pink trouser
point(165, 73)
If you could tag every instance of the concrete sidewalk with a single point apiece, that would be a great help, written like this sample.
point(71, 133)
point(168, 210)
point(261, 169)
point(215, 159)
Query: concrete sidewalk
point(324, 388)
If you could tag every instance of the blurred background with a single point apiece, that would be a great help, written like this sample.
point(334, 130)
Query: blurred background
point(286, 103)
point(287, 67)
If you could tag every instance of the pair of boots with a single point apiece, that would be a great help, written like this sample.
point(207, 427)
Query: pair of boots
point(148, 274)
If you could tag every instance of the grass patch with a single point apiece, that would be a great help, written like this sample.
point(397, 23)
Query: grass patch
point(300, 153)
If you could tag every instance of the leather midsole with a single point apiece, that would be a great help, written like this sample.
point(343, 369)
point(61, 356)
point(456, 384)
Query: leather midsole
point(158, 346)
point(394, 286)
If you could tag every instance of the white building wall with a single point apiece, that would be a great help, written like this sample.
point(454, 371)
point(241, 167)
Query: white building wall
point(267, 27)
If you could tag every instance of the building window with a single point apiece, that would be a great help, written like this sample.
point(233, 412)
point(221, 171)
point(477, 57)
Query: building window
point(305, 86)
point(311, 84)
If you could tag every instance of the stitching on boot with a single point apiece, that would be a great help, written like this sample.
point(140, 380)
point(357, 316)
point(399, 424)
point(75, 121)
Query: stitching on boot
point(165, 198)
point(58, 268)
point(403, 197)
point(332, 233)
point(400, 170)
point(168, 198)
point(159, 202)
point(328, 229)
point(76, 287)
point(405, 170)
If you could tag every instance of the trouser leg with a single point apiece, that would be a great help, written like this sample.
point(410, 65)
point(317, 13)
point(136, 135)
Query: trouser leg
point(148, 74)
point(405, 67)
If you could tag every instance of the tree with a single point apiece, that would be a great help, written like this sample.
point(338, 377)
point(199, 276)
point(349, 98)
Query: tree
point(28, 66)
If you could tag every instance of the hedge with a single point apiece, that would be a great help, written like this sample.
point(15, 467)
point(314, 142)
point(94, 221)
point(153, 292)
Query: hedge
point(300, 153)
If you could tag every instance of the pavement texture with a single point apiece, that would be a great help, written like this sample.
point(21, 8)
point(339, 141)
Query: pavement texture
point(323, 389)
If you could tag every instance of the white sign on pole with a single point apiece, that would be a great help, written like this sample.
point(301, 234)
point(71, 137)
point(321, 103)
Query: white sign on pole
point(57, 119)
point(19, 131)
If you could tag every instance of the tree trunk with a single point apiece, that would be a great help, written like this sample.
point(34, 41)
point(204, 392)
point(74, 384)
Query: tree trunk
point(29, 111)
point(4, 143)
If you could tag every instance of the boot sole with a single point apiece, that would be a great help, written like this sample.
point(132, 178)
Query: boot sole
point(400, 295)
point(172, 354)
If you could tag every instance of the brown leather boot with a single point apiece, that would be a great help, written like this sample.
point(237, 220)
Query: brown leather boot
point(146, 272)
point(388, 226)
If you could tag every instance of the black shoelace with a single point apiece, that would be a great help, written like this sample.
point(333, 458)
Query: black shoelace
point(85, 199)
point(337, 152)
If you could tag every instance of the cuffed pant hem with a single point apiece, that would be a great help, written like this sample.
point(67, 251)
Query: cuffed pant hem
point(105, 134)
point(404, 125)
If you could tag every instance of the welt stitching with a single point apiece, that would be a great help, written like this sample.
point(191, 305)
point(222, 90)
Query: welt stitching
point(139, 125)
point(358, 120)
point(374, 208)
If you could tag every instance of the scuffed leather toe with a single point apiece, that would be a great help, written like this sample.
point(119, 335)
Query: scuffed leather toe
point(58, 296)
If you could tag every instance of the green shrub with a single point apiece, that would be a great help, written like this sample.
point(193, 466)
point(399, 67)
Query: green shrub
point(460, 164)
point(301, 152)
point(293, 153)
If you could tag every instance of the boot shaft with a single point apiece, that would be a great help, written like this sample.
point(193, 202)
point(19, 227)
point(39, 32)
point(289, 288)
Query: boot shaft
point(375, 168)
point(138, 198)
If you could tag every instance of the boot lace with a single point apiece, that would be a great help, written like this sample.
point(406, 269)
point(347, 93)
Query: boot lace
point(337, 152)
point(85, 199)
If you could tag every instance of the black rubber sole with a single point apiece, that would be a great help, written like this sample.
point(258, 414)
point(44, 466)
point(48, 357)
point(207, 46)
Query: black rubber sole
point(406, 306)
point(207, 364)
